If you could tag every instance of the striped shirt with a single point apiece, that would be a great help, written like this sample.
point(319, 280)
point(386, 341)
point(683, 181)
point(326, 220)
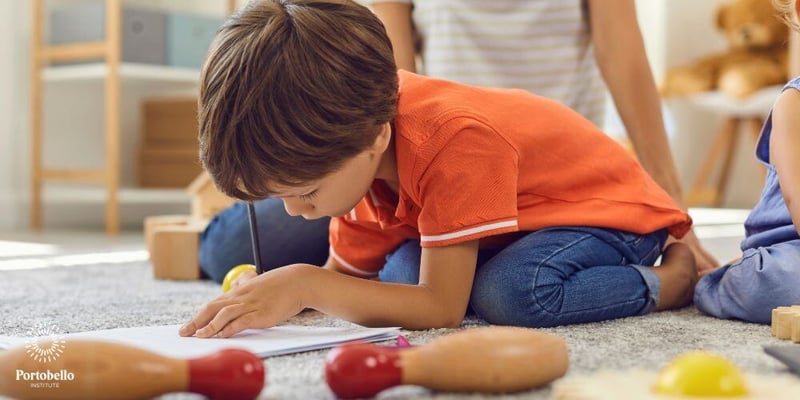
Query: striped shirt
point(542, 46)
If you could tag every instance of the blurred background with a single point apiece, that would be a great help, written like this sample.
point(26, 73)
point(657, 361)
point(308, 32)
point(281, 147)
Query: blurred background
point(148, 105)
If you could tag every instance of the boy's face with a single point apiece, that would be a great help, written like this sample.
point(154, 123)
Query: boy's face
point(337, 193)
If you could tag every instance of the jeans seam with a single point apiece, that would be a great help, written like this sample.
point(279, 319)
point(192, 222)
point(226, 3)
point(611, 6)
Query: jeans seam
point(536, 276)
point(539, 268)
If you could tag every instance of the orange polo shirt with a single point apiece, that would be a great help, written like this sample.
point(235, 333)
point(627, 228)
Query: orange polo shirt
point(478, 163)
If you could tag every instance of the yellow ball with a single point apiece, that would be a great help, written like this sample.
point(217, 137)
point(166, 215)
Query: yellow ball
point(700, 373)
point(234, 273)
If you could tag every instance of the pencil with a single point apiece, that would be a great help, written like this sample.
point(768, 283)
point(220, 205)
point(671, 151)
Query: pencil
point(251, 213)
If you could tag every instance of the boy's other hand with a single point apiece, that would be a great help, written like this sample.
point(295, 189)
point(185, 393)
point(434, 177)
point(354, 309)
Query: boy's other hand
point(260, 301)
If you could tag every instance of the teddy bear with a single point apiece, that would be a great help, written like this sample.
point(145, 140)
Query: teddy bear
point(757, 56)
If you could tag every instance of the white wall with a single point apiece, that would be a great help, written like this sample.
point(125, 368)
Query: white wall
point(69, 140)
point(675, 31)
point(691, 33)
point(13, 103)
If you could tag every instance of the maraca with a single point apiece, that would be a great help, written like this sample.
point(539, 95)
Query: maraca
point(95, 369)
point(493, 359)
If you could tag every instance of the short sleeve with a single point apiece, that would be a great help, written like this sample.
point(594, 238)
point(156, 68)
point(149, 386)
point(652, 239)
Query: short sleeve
point(360, 248)
point(469, 189)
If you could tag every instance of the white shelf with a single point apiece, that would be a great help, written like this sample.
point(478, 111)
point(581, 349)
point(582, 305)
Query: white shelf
point(128, 72)
point(718, 216)
point(757, 104)
point(127, 195)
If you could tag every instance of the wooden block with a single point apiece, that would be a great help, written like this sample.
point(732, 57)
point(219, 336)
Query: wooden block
point(173, 242)
point(207, 200)
point(795, 327)
point(783, 322)
point(151, 223)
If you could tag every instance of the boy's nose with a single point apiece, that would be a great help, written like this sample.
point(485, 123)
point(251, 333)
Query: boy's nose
point(294, 206)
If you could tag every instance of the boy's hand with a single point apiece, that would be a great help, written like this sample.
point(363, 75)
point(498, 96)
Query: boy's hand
point(243, 278)
point(258, 302)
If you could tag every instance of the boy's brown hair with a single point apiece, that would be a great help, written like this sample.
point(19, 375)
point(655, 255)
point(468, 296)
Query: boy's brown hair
point(290, 90)
point(786, 8)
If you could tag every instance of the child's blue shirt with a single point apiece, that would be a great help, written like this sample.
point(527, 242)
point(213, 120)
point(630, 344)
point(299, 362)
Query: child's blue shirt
point(769, 222)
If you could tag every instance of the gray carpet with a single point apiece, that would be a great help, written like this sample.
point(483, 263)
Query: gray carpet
point(124, 295)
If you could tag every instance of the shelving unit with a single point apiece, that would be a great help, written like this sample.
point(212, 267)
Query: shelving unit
point(127, 72)
point(113, 73)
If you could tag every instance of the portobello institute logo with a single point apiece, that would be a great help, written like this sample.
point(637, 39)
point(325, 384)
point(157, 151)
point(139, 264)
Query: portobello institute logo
point(44, 344)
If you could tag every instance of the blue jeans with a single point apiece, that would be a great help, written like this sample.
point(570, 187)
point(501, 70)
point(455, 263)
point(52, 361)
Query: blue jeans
point(549, 277)
point(556, 276)
point(283, 239)
point(763, 279)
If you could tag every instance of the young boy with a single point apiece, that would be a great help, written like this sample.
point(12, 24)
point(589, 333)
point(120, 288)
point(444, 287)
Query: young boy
point(499, 199)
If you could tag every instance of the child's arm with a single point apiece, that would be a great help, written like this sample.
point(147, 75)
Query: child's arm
point(785, 149)
point(439, 300)
point(396, 17)
point(622, 60)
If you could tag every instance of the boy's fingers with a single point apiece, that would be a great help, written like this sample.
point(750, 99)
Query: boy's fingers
point(203, 317)
point(220, 320)
point(245, 321)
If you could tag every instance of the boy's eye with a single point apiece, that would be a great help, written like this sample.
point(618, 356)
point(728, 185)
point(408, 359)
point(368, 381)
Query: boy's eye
point(308, 196)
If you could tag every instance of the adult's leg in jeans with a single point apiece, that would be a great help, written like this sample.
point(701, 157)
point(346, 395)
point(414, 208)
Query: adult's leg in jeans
point(283, 239)
point(564, 276)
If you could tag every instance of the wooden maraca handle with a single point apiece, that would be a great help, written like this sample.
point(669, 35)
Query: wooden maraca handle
point(103, 370)
point(494, 359)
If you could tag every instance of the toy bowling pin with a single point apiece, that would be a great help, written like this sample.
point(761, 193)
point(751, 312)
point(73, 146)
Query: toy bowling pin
point(493, 359)
point(102, 370)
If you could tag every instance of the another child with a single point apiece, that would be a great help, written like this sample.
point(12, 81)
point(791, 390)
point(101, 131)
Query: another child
point(499, 199)
point(768, 274)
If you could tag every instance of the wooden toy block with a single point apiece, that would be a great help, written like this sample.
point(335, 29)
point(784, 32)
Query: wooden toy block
point(207, 200)
point(786, 323)
point(173, 242)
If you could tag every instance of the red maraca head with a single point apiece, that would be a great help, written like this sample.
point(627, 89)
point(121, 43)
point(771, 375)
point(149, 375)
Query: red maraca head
point(228, 374)
point(358, 370)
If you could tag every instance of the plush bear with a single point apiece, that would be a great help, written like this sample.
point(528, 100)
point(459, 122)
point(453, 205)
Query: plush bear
point(757, 56)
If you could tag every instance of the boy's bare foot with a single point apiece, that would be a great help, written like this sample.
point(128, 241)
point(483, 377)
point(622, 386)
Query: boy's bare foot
point(678, 273)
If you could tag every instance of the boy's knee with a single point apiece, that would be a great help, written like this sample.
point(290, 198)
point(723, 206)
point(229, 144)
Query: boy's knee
point(504, 300)
point(516, 313)
point(402, 266)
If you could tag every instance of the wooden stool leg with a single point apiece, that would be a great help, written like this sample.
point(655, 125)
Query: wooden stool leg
point(700, 193)
point(727, 162)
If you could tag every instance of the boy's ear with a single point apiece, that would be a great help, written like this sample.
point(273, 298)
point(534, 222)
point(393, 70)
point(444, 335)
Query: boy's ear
point(383, 139)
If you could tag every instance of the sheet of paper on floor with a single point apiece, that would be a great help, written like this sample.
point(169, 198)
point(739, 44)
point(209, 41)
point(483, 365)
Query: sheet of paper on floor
point(263, 342)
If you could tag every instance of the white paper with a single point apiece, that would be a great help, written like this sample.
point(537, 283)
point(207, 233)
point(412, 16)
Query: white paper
point(263, 342)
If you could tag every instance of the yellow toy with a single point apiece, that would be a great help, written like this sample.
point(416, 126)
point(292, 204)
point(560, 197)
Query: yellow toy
point(234, 273)
point(700, 373)
point(690, 376)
